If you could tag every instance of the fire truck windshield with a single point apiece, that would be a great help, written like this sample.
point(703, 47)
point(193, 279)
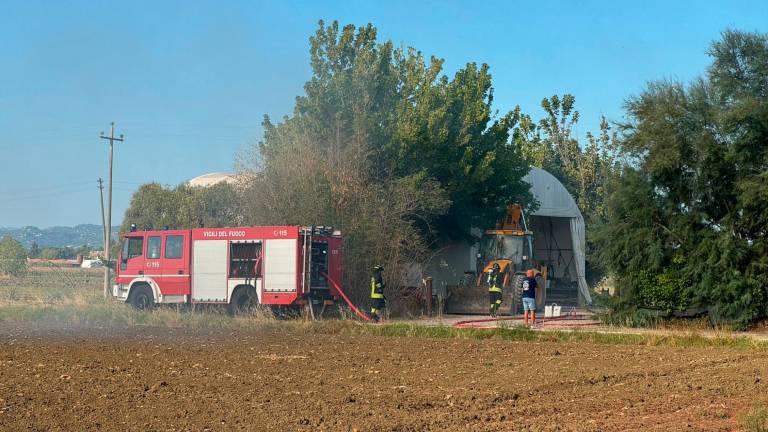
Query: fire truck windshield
point(132, 247)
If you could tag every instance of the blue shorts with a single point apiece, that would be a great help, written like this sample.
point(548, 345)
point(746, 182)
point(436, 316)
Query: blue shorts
point(529, 304)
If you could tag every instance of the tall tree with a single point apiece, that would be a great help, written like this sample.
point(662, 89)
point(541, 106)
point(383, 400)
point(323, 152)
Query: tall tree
point(596, 168)
point(34, 250)
point(557, 127)
point(686, 221)
point(154, 206)
point(408, 120)
point(51, 253)
point(583, 169)
point(386, 147)
point(13, 257)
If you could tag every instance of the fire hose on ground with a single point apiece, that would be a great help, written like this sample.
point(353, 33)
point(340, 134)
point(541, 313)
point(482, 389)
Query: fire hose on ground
point(570, 317)
point(346, 299)
point(470, 323)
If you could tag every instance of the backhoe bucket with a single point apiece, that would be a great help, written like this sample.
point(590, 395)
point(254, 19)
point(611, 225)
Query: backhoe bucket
point(472, 299)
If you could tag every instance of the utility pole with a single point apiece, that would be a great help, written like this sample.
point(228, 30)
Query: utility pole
point(108, 230)
point(103, 223)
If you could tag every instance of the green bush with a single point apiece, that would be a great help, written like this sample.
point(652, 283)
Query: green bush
point(13, 257)
point(668, 290)
point(630, 317)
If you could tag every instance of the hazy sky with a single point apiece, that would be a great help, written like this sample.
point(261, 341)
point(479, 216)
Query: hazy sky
point(188, 82)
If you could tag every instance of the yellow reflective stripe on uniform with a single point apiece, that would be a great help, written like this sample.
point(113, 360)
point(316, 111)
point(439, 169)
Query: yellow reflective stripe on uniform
point(374, 294)
point(494, 289)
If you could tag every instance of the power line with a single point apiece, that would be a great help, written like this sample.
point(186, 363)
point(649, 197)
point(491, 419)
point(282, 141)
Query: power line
point(57, 186)
point(57, 193)
point(47, 194)
point(124, 189)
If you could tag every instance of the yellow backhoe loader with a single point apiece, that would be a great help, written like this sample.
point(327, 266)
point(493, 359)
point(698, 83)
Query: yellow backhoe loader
point(511, 246)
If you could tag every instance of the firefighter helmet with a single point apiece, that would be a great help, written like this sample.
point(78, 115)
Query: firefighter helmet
point(496, 266)
point(378, 267)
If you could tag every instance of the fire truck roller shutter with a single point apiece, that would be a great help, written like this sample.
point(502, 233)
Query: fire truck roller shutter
point(280, 265)
point(209, 279)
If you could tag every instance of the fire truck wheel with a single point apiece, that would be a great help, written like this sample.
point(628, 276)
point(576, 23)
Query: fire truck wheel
point(142, 298)
point(243, 300)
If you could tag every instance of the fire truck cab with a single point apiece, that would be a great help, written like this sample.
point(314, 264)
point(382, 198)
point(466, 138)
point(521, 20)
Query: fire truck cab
point(270, 265)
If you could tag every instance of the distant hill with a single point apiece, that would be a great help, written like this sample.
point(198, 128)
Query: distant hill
point(86, 234)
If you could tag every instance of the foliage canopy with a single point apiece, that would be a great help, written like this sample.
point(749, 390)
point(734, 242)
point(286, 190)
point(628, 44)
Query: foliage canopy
point(408, 120)
point(154, 206)
point(13, 257)
point(692, 199)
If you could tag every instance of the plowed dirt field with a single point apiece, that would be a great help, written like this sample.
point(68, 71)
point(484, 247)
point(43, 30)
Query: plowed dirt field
point(150, 379)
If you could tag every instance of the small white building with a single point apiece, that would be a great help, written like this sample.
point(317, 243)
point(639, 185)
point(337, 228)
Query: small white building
point(211, 179)
point(92, 263)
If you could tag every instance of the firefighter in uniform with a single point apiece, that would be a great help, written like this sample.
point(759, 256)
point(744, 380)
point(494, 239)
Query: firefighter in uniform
point(494, 288)
point(378, 301)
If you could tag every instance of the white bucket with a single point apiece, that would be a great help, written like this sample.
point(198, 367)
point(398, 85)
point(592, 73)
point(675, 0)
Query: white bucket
point(552, 310)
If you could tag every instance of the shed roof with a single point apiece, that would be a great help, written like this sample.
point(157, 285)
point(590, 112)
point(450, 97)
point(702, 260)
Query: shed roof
point(554, 199)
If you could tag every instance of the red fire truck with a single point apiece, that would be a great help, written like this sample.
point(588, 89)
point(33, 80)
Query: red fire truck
point(271, 265)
